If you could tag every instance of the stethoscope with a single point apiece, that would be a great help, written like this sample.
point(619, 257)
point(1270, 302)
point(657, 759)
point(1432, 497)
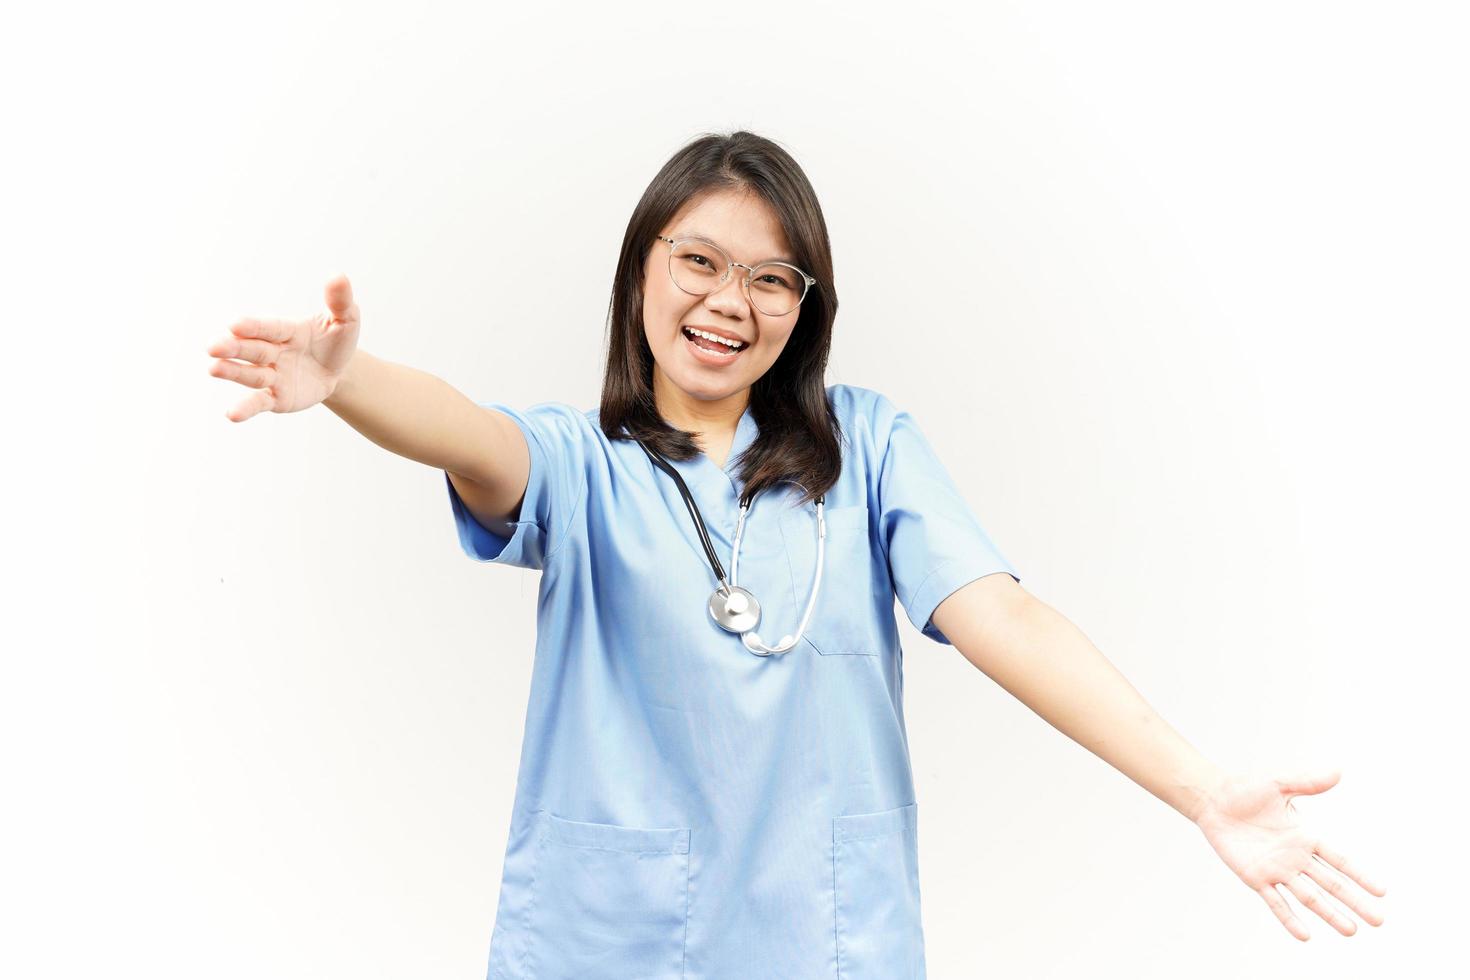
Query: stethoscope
point(731, 607)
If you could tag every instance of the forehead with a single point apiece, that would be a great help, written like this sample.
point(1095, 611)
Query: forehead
point(739, 220)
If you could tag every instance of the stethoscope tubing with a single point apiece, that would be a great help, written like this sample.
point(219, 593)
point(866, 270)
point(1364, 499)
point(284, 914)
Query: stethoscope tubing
point(728, 590)
point(704, 538)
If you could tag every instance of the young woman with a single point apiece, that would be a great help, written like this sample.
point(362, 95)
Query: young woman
point(715, 779)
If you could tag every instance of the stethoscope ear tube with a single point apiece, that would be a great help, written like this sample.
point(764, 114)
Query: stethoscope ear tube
point(752, 639)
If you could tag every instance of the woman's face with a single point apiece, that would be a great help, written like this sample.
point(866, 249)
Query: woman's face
point(745, 226)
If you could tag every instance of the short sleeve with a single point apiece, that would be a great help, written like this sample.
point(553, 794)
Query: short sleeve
point(933, 540)
point(556, 436)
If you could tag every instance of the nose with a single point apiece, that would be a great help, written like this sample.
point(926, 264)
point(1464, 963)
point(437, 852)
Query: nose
point(729, 299)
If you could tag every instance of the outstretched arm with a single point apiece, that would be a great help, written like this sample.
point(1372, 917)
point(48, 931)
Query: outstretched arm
point(293, 364)
point(1045, 661)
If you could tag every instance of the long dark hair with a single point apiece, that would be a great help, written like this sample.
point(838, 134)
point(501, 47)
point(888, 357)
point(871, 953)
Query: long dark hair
point(800, 438)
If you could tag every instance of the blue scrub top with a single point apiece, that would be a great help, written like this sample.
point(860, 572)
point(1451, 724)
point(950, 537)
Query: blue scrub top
point(684, 808)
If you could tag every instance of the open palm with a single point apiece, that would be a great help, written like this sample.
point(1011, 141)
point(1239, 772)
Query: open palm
point(292, 364)
point(1252, 825)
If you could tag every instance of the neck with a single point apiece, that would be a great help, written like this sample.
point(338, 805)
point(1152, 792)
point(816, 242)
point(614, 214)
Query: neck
point(715, 420)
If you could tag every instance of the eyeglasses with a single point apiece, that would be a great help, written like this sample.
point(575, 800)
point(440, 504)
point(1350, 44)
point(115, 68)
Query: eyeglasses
point(698, 267)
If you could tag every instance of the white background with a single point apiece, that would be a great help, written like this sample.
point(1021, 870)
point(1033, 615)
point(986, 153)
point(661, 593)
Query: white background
point(1176, 290)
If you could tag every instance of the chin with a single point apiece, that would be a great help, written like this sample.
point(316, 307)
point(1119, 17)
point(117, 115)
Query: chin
point(706, 388)
point(697, 384)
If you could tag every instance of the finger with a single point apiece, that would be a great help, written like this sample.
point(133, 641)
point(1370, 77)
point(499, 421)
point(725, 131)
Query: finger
point(275, 329)
point(339, 298)
point(1342, 864)
point(1283, 912)
point(1306, 784)
point(259, 401)
point(1301, 886)
point(245, 349)
point(249, 375)
point(1333, 884)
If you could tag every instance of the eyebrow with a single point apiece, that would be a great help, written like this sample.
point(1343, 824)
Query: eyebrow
point(695, 234)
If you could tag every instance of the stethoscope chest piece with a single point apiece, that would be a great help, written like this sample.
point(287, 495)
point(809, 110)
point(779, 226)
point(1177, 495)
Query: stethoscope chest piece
point(737, 611)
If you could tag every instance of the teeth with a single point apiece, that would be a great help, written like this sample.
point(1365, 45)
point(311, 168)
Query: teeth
point(715, 353)
point(716, 337)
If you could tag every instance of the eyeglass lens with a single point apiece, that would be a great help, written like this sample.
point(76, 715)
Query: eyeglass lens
point(775, 289)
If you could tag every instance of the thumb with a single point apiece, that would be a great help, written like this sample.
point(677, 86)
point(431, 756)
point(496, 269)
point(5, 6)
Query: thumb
point(339, 297)
point(1307, 784)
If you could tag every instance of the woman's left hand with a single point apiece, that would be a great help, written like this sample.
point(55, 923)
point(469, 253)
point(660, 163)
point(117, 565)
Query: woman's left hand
point(1252, 825)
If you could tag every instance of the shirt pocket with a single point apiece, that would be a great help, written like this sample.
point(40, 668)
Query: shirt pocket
point(875, 867)
point(842, 620)
point(607, 900)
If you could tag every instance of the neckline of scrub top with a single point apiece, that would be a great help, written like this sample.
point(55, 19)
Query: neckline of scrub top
point(715, 488)
point(702, 468)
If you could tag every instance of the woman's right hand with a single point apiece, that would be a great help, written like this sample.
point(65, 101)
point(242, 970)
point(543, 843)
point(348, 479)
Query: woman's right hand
point(293, 363)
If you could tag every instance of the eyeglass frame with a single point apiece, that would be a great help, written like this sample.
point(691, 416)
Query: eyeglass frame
point(808, 281)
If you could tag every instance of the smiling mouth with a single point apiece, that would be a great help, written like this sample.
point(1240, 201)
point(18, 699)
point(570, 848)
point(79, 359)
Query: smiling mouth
point(716, 348)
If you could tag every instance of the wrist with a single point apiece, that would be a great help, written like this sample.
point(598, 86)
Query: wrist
point(345, 380)
point(1201, 790)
